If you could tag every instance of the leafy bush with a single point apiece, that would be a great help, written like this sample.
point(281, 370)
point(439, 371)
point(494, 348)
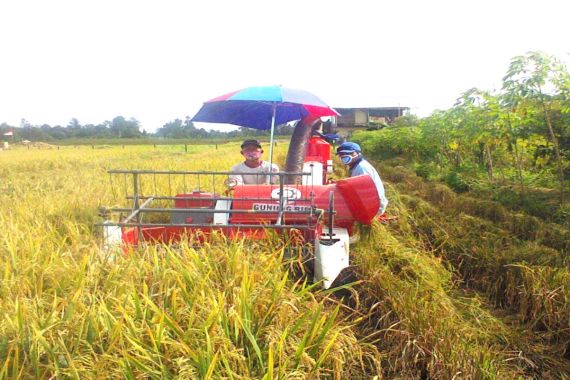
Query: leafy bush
point(426, 170)
point(456, 182)
point(392, 142)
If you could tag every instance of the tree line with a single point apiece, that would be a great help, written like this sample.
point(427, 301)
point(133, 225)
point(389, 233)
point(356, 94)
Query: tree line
point(123, 128)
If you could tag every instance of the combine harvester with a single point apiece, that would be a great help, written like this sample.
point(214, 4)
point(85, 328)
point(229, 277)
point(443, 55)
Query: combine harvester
point(301, 207)
point(322, 214)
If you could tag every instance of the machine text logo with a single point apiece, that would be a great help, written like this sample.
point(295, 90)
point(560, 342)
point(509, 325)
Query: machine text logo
point(275, 208)
point(289, 193)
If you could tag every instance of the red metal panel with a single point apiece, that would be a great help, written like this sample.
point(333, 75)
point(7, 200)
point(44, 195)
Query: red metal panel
point(169, 235)
point(271, 203)
point(355, 199)
point(361, 197)
point(207, 202)
point(318, 150)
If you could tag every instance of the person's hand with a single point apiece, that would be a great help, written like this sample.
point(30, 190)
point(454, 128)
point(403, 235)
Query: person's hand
point(231, 183)
point(385, 218)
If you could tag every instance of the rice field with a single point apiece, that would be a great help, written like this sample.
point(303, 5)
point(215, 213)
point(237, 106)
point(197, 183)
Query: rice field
point(455, 289)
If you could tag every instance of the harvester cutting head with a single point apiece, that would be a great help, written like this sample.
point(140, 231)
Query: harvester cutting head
point(322, 214)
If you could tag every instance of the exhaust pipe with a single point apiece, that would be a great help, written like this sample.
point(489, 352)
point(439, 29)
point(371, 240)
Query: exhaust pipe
point(298, 147)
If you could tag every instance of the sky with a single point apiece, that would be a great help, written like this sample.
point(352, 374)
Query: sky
point(157, 61)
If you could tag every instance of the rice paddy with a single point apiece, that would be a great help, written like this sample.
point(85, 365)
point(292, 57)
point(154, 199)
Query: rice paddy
point(456, 288)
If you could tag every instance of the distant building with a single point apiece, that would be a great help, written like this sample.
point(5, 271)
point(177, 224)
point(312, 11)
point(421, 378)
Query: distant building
point(363, 118)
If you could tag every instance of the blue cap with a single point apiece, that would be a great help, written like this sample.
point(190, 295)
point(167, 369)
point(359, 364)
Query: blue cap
point(348, 148)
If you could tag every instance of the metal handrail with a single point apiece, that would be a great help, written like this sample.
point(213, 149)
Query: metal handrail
point(210, 211)
point(214, 226)
point(140, 171)
point(137, 211)
point(186, 198)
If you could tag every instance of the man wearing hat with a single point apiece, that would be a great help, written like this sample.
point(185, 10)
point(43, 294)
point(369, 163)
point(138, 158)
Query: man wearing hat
point(252, 151)
point(351, 155)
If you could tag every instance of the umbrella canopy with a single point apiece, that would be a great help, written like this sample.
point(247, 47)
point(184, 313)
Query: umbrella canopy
point(262, 107)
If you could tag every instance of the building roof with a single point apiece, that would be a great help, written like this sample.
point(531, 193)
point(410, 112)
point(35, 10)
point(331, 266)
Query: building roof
point(372, 108)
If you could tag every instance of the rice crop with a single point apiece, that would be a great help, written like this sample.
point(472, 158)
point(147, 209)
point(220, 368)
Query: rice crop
point(442, 293)
point(518, 261)
point(228, 309)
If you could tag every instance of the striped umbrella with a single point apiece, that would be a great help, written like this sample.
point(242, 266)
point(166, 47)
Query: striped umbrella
point(263, 107)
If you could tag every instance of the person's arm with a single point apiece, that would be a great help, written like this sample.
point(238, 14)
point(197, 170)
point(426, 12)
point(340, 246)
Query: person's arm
point(235, 177)
point(383, 204)
point(381, 194)
point(373, 173)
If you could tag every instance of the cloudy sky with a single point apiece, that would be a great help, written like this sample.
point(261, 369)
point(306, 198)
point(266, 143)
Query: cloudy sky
point(157, 61)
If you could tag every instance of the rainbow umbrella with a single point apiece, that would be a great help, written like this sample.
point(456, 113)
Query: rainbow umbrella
point(263, 107)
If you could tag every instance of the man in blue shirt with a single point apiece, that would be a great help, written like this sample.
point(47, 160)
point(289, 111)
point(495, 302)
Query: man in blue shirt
point(351, 155)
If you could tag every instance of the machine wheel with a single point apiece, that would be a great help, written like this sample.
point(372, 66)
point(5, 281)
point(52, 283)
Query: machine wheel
point(346, 276)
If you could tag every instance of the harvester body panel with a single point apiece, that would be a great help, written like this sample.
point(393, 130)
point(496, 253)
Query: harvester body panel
point(331, 255)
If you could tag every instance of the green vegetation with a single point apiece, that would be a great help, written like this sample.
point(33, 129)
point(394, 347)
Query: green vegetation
point(512, 146)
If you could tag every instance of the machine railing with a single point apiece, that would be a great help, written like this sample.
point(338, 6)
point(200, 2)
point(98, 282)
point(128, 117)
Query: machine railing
point(152, 193)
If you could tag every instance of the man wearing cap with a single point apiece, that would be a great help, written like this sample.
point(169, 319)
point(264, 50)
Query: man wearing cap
point(252, 151)
point(351, 155)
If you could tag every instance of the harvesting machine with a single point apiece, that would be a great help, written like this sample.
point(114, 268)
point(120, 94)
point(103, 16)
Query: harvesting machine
point(301, 206)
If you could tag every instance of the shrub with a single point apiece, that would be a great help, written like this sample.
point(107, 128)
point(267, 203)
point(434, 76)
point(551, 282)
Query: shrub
point(456, 182)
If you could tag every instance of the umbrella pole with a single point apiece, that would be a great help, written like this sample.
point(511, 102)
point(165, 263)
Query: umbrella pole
point(271, 140)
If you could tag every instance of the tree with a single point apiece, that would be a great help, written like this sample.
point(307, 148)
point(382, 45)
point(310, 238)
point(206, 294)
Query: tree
point(173, 129)
point(74, 124)
point(123, 128)
point(536, 79)
point(478, 122)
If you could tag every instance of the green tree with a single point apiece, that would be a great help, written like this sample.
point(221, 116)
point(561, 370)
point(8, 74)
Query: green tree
point(123, 128)
point(536, 80)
